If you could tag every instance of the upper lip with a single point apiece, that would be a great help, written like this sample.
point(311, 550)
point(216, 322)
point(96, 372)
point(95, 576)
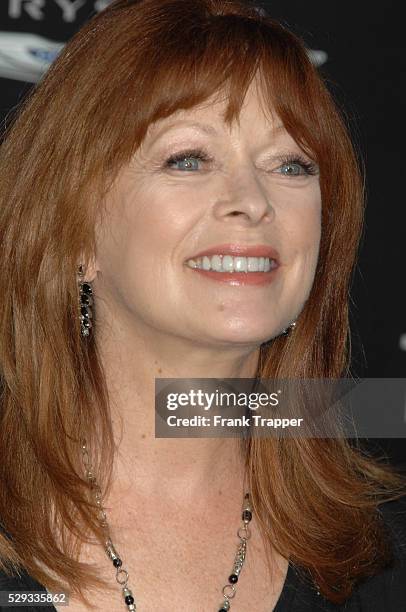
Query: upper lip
point(242, 250)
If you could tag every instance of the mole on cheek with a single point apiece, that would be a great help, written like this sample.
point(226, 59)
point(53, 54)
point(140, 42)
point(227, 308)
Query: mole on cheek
point(159, 369)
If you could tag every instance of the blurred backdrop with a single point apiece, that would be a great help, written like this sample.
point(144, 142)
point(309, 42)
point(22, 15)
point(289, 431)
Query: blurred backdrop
point(359, 49)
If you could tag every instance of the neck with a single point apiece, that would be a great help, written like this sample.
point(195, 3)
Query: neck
point(193, 470)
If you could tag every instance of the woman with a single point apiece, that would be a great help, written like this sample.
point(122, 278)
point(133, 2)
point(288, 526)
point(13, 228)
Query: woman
point(168, 141)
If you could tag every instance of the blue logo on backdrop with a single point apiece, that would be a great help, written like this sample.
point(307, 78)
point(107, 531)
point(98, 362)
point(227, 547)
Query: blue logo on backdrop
point(44, 55)
point(25, 57)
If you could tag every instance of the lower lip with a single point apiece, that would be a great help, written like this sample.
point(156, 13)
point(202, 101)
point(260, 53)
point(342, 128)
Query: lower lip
point(239, 278)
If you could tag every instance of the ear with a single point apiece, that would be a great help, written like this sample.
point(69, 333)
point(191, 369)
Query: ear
point(89, 269)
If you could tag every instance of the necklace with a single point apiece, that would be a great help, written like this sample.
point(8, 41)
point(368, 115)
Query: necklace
point(243, 534)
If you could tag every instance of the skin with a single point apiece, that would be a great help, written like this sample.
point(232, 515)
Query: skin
point(158, 318)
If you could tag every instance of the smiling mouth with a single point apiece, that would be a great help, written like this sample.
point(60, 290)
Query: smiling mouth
point(232, 264)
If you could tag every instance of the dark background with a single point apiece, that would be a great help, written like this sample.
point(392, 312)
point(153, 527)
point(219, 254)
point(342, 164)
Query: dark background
point(365, 70)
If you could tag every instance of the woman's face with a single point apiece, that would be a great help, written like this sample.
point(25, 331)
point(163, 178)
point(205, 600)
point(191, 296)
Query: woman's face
point(161, 213)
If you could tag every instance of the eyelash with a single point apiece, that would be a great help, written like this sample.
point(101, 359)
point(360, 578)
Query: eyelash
point(292, 158)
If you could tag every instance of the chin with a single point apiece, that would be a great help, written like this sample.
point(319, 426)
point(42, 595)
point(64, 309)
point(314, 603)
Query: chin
point(244, 335)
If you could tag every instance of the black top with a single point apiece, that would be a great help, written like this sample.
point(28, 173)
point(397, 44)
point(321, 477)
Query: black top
point(384, 592)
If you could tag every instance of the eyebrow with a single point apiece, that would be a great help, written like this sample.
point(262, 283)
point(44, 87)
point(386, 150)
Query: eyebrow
point(206, 128)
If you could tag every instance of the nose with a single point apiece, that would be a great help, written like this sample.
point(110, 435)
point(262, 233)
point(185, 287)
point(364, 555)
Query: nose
point(248, 202)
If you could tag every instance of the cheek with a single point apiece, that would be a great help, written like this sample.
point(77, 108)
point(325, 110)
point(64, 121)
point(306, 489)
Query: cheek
point(162, 217)
point(302, 222)
point(309, 252)
point(302, 239)
point(146, 225)
point(144, 252)
point(308, 238)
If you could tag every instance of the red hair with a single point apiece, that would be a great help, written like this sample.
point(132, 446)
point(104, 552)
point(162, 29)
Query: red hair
point(124, 70)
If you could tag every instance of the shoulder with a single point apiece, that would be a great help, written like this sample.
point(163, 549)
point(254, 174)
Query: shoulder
point(384, 591)
point(21, 581)
point(387, 589)
point(394, 517)
point(16, 582)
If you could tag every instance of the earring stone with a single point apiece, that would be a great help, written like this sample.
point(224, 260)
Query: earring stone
point(85, 303)
point(288, 329)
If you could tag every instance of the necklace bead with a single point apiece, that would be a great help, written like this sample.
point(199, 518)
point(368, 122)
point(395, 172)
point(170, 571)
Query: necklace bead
point(243, 534)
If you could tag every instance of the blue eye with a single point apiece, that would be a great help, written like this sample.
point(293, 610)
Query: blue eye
point(296, 165)
point(184, 157)
point(293, 169)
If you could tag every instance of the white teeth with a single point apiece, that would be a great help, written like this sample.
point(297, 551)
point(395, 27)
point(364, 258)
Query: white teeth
point(253, 264)
point(216, 263)
point(206, 263)
point(228, 263)
point(240, 264)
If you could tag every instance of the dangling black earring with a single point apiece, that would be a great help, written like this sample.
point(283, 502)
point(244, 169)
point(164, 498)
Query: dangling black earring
point(85, 303)
point(289, 328)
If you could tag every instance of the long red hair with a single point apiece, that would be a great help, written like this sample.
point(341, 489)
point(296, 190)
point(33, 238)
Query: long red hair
point(134, 63)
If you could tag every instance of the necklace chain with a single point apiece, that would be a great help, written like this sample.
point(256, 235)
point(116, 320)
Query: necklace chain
point(122, 576)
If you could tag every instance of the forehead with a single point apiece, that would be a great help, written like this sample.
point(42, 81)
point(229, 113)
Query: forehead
point(208, 119)
point(209, 129)
point(210, 113)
